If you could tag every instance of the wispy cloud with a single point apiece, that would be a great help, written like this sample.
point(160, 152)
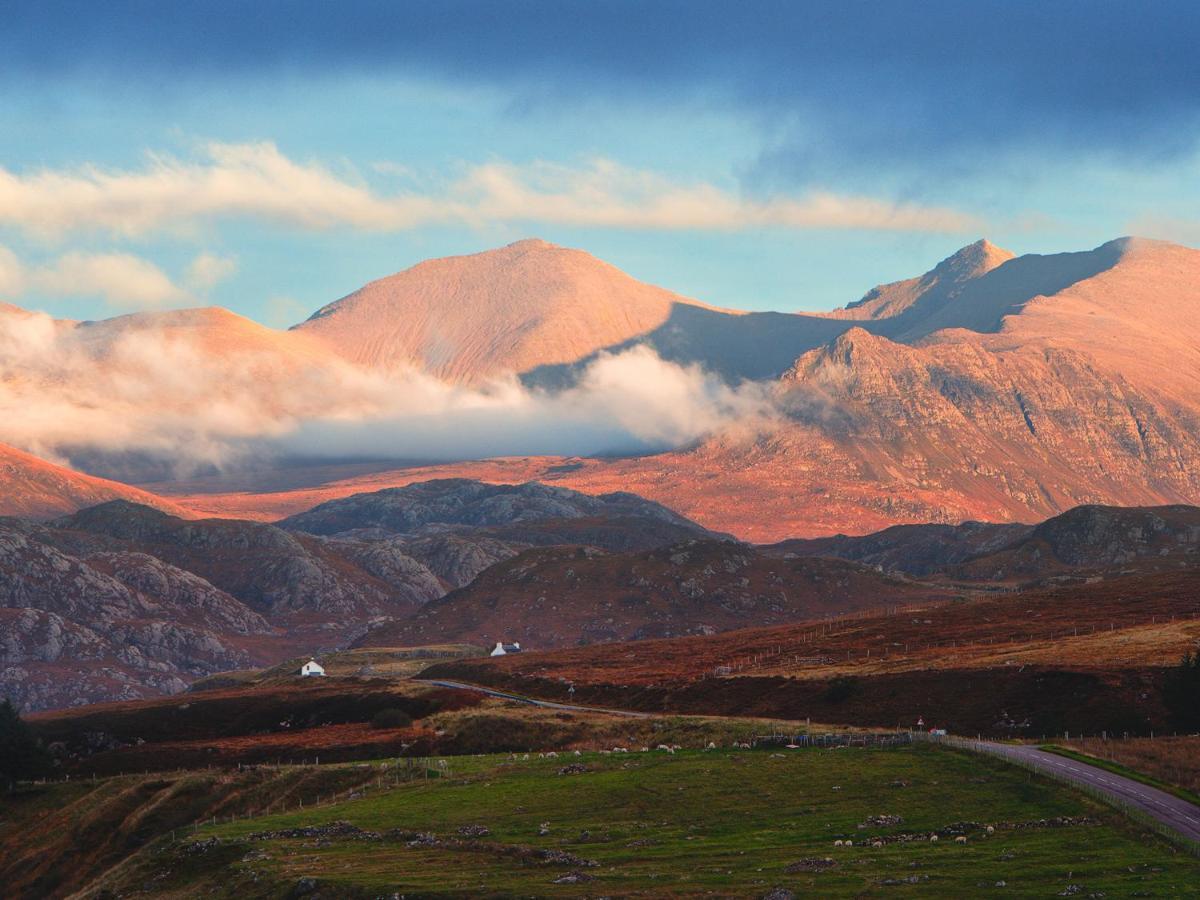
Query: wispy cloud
point(122, 280)
point(259, 181)
point(208, 270)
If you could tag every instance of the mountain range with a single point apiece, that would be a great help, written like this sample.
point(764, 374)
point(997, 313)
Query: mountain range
point(994, 387)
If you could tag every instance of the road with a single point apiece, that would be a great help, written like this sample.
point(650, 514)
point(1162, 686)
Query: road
point(1174, 812)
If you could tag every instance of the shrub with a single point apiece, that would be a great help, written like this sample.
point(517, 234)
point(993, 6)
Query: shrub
point(841, 689)
point(391, 718)
point(1181, 693)
point(22, 756)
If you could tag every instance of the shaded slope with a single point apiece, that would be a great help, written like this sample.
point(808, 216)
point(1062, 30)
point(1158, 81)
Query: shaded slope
point(562, 596)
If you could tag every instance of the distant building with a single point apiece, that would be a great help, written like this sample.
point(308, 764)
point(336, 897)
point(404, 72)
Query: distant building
point(503, 649)
point(311, 669)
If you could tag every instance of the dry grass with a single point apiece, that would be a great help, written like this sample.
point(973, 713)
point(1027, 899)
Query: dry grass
point(1173, 760)
point(1124, 623)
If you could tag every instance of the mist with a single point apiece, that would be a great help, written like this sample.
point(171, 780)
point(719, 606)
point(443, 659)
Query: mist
point(135, 398)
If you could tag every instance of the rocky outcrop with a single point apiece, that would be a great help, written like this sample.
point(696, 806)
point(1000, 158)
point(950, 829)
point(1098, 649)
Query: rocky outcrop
point(563, 596)
point(461, 501)
point(287, 578)
point(72, 632)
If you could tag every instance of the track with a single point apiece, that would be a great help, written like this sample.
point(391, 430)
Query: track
point(545, 704)
point(1174, 812)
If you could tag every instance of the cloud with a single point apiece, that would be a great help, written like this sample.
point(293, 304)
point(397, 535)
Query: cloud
point(851, 84)
point(207, 270)
point(12, 275)
point(143, 389)
point(124, 281)
point(258, 181)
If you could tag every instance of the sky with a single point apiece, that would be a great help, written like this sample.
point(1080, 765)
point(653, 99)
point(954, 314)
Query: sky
point(272, 157)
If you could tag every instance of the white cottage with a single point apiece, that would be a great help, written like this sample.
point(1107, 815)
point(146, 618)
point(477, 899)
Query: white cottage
point(503, 649)
point(311, 669)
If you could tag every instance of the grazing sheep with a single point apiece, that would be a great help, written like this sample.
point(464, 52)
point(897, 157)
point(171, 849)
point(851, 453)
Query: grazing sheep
point(839, 843)
point(991, 830)
point(933, 839)
point(877, 844)
point(961, 839)
point(552, 755)
point(711, 746)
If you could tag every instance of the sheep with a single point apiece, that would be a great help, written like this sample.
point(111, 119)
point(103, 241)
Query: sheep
point(711, 746)
point(839, 843)
point(991, 830)
point(961, 839)
point(933, 839)
point(877, 844)
point(552, 755)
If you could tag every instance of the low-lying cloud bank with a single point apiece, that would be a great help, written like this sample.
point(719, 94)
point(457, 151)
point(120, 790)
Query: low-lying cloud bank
point(133, 388)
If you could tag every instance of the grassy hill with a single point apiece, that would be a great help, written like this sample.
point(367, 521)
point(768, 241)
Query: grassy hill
point(692, 823)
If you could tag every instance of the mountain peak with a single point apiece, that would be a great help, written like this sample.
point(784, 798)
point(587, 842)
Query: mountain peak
point(471, 318)
point(532, 243)
point(974, 259)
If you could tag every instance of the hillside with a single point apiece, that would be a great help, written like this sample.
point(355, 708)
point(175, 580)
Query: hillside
point(111, 625)
point(121, 600)
point(1082, 540)
point(33, 488)
point(563, 596)
point(296, 580)
point(470, 318)
point(473, 503)
point(1085, 657)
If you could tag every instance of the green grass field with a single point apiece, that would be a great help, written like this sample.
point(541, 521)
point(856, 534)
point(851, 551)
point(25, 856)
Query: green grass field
point(725, 823)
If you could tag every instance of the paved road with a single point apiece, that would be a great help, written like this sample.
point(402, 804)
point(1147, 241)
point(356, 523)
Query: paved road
point(1172, 811)
point(546, 704)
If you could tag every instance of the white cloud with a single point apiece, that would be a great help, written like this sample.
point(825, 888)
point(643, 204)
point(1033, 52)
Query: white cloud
point(142, 387)
point(12, 275)
point(123, 280)
point(257, 180)
point(208, 270)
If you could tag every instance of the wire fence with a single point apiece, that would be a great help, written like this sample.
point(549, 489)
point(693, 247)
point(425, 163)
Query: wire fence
point(1131, 810)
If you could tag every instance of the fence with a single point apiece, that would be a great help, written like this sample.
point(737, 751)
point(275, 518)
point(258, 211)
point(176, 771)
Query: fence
point(799, 651)
point(1137, 813)
point(882, 740)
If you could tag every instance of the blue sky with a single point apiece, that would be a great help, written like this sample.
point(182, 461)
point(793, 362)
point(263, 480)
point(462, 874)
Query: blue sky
point(271, 157)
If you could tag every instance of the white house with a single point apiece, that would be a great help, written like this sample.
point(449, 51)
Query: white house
point(312, 668)
point(503, 649)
